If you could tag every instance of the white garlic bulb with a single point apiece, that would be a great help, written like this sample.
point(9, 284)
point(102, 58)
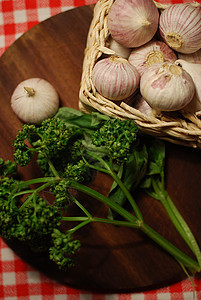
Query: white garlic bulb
point(153, 52)
point(180, 27)
point(195, 71)
point(133, 23)
point(167, 87)
point(34, 100)
point(115, 78)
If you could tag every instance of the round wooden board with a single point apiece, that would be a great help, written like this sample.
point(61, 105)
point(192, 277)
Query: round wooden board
point(111, 259)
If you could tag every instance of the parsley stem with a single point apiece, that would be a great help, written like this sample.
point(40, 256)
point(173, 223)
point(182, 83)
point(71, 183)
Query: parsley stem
point(101, 220)
point(52, 168)
point(81, 206)
point(170, 248)
point(71, 219)
point(188, 235)
point(176, 218)
point(108, 170)
point(38, 180)
point(80, 225)
point(23, 193)
point(160, 240)
point(116, 222)
point(128, 195)
point(39, 189)
point(113, 205)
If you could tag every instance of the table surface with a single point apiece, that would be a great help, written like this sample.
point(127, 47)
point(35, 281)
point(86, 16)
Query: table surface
point(18, 280)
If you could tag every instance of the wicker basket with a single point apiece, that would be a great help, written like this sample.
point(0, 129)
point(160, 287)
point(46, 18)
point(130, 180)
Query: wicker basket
point(184, 129)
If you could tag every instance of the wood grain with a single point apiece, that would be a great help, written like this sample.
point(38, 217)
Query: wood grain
point(112, 259)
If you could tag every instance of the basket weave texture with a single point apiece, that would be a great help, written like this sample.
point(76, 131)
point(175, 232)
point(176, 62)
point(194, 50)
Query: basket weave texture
point(183, 129)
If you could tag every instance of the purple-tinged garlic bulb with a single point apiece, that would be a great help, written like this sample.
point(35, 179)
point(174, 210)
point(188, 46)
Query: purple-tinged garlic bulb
point(133, 23)
point(115, 78)
point(167, 87)
point(153, 52)
point(180, 27)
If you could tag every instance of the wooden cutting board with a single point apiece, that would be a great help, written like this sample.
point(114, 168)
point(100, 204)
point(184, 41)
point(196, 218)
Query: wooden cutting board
point(112, 259)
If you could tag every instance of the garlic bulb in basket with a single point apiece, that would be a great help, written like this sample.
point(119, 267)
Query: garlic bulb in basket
point(133, 23)
point(115, 78)
point(34, 100)
point(167, 87)
point(195, 71)
point(118, 49)
point(180, 27)
point(192, 57)
point(142, 105)
point(153, 52)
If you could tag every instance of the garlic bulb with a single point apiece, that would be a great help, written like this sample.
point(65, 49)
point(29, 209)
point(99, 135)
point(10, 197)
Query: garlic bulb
point(118, 49)
point(133, 23)
point(142, 105)
point(192, 57)
point(180, 27)
point(153, 52)
point(195, 71)
point(167, 87)
point(34, 100)
point(115, 78)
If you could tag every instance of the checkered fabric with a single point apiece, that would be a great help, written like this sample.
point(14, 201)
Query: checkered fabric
point(176, 1)
point(18, 280)
point(18, 16)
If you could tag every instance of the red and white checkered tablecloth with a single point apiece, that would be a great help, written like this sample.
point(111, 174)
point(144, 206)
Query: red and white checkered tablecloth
point(18, 16)
point(18, 280)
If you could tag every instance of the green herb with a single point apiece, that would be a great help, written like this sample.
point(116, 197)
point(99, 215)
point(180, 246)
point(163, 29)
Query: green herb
point(154, 185)
point(70, 147)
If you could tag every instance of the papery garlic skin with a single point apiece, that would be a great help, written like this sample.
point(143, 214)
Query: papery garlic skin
point(119, 50)
point(192, 57)
point(133, 23)
point(153, 52)
point(195, 71)
point(140, 104)
point(167, 87)
point(180, 27)
point(115, 78)
point(34, 100)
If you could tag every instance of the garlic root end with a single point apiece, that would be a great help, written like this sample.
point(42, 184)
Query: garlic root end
point(146, 23)
point(30, 91)
point(174, 40)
